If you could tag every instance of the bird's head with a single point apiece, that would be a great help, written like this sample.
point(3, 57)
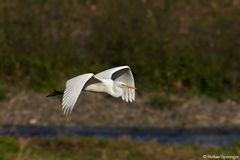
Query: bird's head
point(124, 85)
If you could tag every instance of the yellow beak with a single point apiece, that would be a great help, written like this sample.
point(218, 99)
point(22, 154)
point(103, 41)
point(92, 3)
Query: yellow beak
point(131, 87)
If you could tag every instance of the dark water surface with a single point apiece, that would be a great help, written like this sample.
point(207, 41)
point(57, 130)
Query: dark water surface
point(163, 135)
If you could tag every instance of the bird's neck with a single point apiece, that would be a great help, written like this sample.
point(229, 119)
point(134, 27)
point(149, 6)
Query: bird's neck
point(117, 91)
point(106, 86)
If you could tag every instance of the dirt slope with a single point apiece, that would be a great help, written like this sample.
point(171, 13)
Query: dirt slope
point(100, 110)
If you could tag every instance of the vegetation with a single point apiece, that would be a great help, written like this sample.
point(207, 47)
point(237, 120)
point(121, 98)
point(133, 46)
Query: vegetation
point(102, 149)
point(184, 46)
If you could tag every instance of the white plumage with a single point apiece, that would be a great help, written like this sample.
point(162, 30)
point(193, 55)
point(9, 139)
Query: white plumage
point(118, 82)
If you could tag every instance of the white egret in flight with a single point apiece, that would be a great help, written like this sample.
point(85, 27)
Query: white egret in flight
point(118, 82)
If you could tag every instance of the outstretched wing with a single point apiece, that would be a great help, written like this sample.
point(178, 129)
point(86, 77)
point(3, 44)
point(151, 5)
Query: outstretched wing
point(122, 74)
point(73, 89)
point(110, 73)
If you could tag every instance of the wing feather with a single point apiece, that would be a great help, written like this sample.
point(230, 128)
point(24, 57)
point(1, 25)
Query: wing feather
point(111, 73)
point(126, 94)
point(123, 95)
point(73, 89)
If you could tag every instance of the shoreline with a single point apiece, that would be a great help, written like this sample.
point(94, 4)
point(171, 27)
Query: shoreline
point(99, 110)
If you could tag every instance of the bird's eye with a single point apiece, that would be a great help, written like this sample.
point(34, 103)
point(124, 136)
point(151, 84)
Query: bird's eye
point(121, 85)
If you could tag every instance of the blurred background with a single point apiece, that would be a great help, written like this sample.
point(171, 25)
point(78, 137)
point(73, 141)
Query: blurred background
point(184, 56)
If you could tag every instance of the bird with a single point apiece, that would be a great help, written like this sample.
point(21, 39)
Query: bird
point(117, 82)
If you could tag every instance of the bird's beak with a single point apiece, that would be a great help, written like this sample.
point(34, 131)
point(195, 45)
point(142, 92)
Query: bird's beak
point(131, 87)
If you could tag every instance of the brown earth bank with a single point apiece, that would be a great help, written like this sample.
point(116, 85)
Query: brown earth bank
point(101, 110)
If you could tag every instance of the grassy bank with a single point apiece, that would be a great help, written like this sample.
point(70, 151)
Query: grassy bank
point(184, 46)
point(105, 149)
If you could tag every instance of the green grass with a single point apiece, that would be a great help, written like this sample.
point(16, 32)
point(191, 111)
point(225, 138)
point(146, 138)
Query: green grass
point(47, 42)
point(9, 148)
point(82, 148)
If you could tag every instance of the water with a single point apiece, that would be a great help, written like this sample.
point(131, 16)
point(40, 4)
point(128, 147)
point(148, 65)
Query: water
point(163, 135)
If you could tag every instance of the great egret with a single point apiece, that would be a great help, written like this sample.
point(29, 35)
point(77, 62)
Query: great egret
point(118, 82)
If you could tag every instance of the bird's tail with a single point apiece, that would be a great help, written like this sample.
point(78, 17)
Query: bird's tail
point(54, 93)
